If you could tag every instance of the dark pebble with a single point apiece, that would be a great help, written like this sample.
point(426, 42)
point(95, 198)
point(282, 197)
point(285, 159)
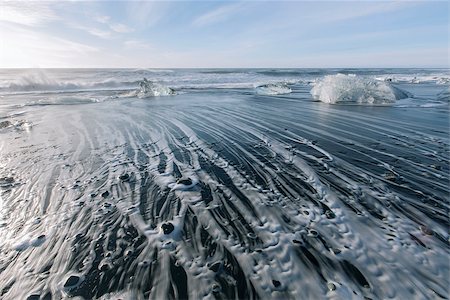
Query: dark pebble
point(145, 263)
point(167, 228)
point(296, 242)
point(187, 181)
point(276, 283)
point(7, 179)
point(336, 251)
point(425, 230)
point(93, 195)
point(313, 232)
point(5, 124)
point(124, 177)
point(215, 267)
point(104, 267)
point(329, 214)
point(71, 281)
point(105, 194)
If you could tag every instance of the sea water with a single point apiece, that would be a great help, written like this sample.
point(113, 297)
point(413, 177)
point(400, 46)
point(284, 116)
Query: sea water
point(224, 183)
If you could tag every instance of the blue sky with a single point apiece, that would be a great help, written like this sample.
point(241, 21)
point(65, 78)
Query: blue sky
point(184, 34)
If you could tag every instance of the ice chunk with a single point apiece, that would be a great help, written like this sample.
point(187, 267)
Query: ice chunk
point(152, 89)
point(342, 88)
point(273, 89)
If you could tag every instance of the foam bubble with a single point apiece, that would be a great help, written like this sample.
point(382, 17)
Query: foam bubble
point(27, 242)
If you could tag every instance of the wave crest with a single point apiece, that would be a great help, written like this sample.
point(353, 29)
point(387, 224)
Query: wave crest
point(273, 89)
point(40, 81)
point(342, 88)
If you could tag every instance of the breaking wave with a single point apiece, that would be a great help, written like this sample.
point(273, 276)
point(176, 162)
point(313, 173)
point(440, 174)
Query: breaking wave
point(40, 81)
point(354, 89)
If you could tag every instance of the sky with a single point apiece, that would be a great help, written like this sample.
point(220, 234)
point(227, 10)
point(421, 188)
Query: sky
point(223, 34)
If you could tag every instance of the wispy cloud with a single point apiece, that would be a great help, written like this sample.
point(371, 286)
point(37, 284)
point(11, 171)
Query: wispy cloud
point(136, 45)
point(27, 47)
point(217, 15)
point(26, 13)
point(102, 19)
point(246, 33)
point(104, 34)
point(147, 13)
point(97, 32)
point(120, 28)
point(114, 26)
point(105, 30)
point(359, 10)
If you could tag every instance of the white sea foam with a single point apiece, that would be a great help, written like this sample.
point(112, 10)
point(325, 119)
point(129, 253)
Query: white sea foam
point(194, 198)
point(273, 89)
point(415, 78)
point(41, 81)
point(27, 242)
point(443, 80)
point(353, 89)
point(60, 100)
point(411, 102)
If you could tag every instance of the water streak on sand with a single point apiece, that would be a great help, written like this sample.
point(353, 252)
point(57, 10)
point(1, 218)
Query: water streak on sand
point(212, 195)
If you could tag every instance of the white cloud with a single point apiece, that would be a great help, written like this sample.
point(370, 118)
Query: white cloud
point(105, 30)
point(136, 45)
point(147, 13)
point(350, 10)
point(120, 28)
point(104, 34)
point(116, 27)
point(26, 13)
point(30, 48)
point(217, 15)
point(102, 19)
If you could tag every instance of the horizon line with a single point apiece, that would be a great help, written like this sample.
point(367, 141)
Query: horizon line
point(203, 68)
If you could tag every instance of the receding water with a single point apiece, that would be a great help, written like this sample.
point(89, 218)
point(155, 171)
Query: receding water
point(220, 191)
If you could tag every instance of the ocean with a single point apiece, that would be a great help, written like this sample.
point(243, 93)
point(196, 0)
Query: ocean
point(224, 183)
